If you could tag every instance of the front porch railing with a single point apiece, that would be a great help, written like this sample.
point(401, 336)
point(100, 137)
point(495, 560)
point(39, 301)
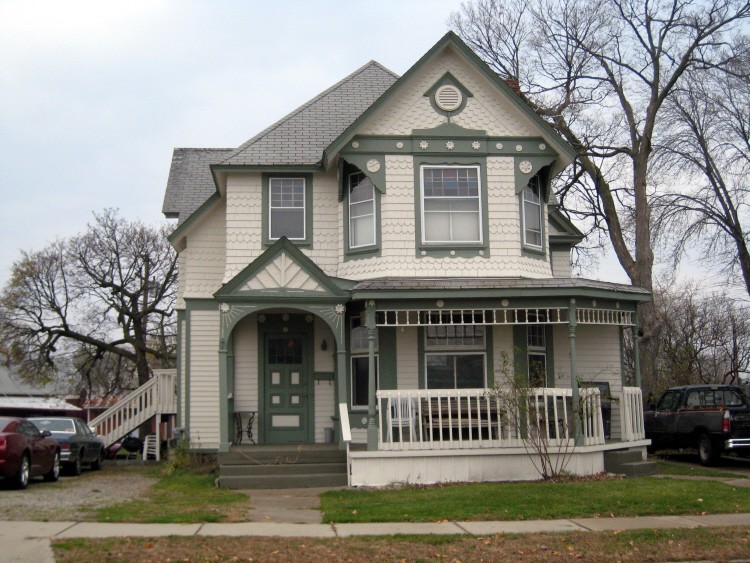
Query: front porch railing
point(632, 414)
point(485, 418)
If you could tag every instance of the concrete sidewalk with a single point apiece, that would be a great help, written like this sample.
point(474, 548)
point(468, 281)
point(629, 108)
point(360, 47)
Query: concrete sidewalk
point(30, 541)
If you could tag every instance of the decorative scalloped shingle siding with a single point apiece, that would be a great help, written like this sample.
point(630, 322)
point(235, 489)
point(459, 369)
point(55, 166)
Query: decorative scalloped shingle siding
point(398, 209)
point(244, 222)
point(412, 110)
point(202, 262)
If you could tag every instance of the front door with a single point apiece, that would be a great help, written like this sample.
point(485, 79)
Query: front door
point(286, 390)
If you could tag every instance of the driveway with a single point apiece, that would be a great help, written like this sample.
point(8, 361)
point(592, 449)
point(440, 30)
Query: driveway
point(73, 498)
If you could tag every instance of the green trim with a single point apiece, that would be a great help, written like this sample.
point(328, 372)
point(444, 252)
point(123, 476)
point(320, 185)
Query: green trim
point(283, 245)
point(268, 168)
point(448, 79)
point(186, 421)
point(369, 146)
point(572, 235)
point(397, 297)
point(490, 356)
point(520, 350)
point(201, 304)
point(194, 217)
point(549, 340)
point(364, 251)
point(307, 241)
point(365, 163)
point(451, 249)
point(452, 40)
point(324, 375)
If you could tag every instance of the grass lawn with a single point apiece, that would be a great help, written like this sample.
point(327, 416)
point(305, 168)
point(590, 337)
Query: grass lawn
point(534, 500)
point(666, 467)
point(181, 498)
point(640, 545)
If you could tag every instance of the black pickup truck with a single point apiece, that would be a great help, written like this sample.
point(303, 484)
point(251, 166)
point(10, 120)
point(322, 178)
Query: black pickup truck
point(712, 418)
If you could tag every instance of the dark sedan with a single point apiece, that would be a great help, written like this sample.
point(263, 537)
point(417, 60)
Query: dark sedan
point(27, 452)
point(78, 443)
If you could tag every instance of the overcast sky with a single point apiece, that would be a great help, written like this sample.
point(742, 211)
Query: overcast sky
point(95, 95)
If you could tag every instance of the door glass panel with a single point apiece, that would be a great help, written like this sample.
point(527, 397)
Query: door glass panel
point(276, 378)
point(275, 399)
point(294, 378)
point(295, 399)
point(285, 421)
point(285, 350)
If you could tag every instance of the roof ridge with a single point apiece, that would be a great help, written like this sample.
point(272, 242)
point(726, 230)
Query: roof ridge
point(308, 104)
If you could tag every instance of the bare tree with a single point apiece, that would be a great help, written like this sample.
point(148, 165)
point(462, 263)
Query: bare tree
point(708, 149)
point(600, 73)
point(107, 293)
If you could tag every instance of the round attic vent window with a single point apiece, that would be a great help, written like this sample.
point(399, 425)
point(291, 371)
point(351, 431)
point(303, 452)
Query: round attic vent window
point(448, 97)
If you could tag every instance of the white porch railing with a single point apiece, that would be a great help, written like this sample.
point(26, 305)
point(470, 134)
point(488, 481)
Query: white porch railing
point(484, 418)
point(157, 396)
point(346, 437)
point(631, 406)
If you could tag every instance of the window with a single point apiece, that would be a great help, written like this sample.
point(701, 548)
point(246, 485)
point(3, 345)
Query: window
point(361, 211)
point(451, 204)
point(532, 214)
point(360, 360)
point(454, 357)
point(537, 349)
point(286, 209)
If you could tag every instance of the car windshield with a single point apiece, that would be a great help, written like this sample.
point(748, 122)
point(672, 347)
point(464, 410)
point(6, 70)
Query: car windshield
point(55, 425)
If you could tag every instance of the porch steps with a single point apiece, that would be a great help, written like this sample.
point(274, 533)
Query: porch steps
point(282, 467)
point(628, 462)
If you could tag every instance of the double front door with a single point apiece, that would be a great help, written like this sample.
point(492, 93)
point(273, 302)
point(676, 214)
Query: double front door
point(286, 393)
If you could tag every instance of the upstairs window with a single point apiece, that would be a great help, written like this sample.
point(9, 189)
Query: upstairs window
point(532, 214)
point(361, 211)
point(451, 205)
point(286, 208)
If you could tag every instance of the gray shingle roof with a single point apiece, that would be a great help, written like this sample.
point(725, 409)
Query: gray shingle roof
point(432, 284)
point(301, 137)
point(190, 180)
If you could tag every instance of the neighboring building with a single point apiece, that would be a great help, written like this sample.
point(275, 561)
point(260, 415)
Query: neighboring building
point(21, 399)
point(402, 226)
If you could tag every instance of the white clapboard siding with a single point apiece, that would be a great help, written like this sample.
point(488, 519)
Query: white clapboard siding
point(324, 408)
point(204, 379)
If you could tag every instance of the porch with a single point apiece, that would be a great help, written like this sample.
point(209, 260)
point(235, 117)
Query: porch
point(501, 434)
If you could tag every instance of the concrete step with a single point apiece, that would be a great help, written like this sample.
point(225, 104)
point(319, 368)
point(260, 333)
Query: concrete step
point(283, 469)
point(281, 455)
point(282, 481)
point(638, 468)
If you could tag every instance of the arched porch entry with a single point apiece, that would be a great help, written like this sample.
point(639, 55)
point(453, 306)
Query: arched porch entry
point(282, 362)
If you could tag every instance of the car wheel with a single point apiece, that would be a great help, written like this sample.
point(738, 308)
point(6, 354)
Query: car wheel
point(96, 465)
point(75, 467)
point(708, 453)
point(21, 478)
point(54, 473)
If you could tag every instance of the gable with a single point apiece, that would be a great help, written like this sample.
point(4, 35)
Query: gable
point(283, 269)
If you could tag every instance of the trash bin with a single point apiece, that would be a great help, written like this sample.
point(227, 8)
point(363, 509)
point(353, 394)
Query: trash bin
point(328, 435)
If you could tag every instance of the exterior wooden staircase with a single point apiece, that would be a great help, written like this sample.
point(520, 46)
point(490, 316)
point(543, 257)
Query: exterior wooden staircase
point(153, 399)
point(283, 467)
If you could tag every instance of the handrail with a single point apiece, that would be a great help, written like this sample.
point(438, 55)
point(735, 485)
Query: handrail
point(346, 437)
point(156, 396)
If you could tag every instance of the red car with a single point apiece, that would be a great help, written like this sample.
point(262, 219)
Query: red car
point(26, 452)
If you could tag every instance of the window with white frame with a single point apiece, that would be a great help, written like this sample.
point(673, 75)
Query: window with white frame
point(361, 211)
point(451, 204)
point(286, 208)
point(536, 342)
point(455, 357)
point(532, 213)
point(360, 362)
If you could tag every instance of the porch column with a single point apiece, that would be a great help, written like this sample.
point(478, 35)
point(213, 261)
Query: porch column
point(224, 441)
point(572, 324)
point(372, 427)
point(636, 354)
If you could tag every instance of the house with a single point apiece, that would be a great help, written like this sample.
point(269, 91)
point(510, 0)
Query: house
point(18, 398)
point(402, 227)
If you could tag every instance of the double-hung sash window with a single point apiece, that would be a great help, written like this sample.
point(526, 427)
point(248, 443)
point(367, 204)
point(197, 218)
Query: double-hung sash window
point(360, 362)
point(451, 205)
point(286, 211)
point(361, 211)
point(455, 357)
point(532, 214)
